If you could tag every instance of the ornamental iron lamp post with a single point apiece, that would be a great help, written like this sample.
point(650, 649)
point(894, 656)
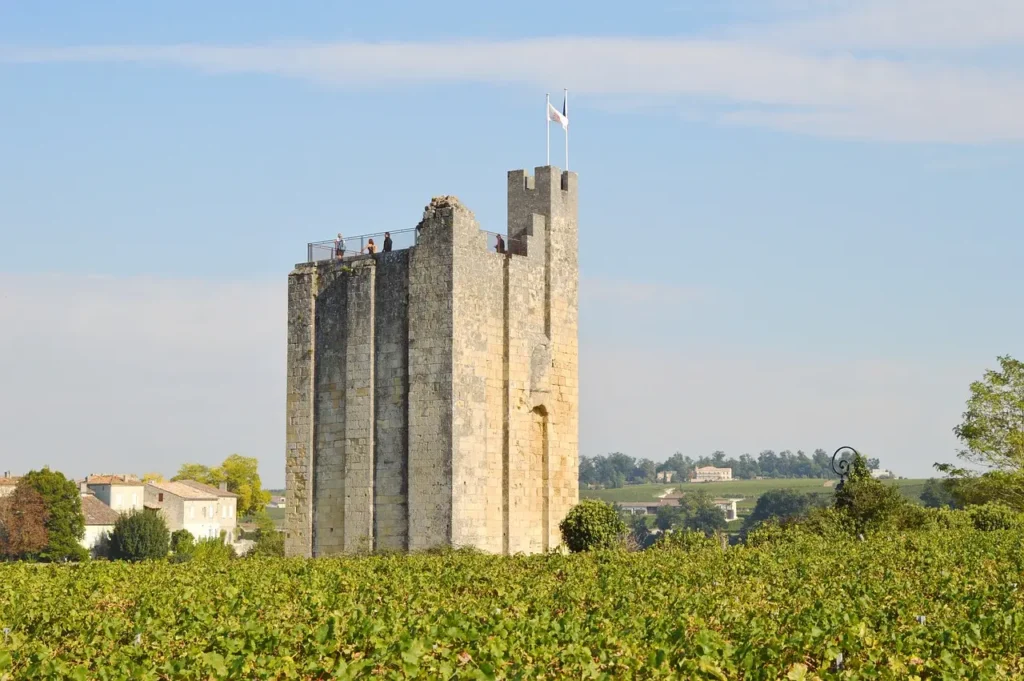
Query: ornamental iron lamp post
point(841, 462)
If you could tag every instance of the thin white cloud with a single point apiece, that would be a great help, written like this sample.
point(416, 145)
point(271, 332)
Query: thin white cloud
point(746, 82)
point(902, 25)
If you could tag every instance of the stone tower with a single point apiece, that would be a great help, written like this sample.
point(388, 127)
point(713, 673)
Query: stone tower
point(432, 391)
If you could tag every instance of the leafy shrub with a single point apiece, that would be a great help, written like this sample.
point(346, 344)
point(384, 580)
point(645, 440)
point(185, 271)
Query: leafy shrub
point(947, 519)
point(139, 535)
point(592, 524)
point(182, 542)
point(771, 532)
point(993, 516)
point(686, 540)
point(212, 549)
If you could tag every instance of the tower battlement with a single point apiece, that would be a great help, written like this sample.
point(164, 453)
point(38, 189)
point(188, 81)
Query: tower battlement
point(432, 391)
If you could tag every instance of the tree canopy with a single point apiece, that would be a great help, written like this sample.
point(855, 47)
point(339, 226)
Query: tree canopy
point(992, 436)
point(65, 524)
point(781, 504)
point(241, 473)
point(618, 469)
point(23, 517)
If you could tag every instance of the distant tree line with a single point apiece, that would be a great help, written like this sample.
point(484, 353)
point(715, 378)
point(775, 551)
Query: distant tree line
point(617, 469)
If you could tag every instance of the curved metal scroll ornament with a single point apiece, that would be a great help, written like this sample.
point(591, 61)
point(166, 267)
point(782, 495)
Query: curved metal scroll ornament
point(841, 462)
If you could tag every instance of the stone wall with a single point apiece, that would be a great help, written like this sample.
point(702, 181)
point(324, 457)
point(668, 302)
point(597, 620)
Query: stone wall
point(432, 394)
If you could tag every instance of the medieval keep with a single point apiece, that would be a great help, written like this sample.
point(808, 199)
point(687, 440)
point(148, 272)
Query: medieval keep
point(432, 390)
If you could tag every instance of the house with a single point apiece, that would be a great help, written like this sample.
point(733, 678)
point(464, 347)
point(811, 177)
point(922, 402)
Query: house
point(647, 507)
point(665, 476)
point(276, 502)
point(201, 509)
point(712, 474)
point(122, 493)
point(227, 504)
point(99, 523)
point(7, 484)
point(882, 474)
point(728, 507)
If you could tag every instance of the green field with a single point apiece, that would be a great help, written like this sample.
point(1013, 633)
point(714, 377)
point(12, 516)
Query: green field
point(749, 490)
point(930, 605)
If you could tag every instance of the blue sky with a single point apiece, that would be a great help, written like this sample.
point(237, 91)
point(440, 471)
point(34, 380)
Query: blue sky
point(799, 220)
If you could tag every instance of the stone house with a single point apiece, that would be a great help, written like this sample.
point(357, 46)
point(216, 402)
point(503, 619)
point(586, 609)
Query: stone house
point(122, 493)
point(227, 504)
point(203, 510)
point(665, 476)
point(712, 474)
point(99, 523)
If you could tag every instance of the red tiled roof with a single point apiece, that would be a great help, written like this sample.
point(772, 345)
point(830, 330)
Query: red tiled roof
point(179, 489)
point(209, 489)
point(96, 512)
point(113, 480)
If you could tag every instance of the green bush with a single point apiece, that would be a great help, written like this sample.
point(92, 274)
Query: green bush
point(139, 535)
point(686, 540)
point(949, 519)
point(592, 524)
point(212, 549)
point(182, 542)
point(993, 516)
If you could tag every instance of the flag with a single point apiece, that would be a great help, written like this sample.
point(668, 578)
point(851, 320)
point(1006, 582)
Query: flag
point(557, 116)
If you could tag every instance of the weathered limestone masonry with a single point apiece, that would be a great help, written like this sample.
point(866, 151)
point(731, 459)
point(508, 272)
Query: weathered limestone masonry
point(432, 392)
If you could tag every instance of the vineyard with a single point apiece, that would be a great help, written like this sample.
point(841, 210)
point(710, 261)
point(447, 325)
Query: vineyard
point(929, 605)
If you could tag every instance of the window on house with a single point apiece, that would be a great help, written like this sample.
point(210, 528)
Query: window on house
point(160, 496)
point(191, 511)
point(135, 499)
point(231, 511)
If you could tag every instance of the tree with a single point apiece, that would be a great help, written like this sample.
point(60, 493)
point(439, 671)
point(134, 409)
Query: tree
point(706, 517)
point(243, 478)
point(669, 517)
point(200, 473)
point(867, 502)
point(781, 504)
point(937, 494)
point(65, 522)
point(873, 464)
point(269, 542)
point(152, 477)
point(139, 535)
point(992, 436)
point(23, 517)
point(592, 524)
point(241, 473)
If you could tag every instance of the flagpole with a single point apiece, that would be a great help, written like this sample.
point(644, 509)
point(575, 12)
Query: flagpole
point(565, 106)
point(547, 125)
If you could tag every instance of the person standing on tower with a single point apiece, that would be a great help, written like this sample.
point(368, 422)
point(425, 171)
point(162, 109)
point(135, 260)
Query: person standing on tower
point(387, 242)
point(499, 247)
point(339, 247)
